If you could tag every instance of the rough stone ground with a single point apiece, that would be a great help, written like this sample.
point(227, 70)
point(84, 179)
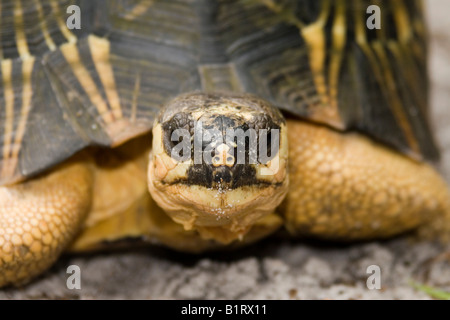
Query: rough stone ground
point(274, 268)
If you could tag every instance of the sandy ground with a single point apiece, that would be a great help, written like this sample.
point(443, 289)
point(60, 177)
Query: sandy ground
point(274, 268)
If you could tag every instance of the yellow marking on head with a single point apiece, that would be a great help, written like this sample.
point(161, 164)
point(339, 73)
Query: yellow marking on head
point(220, 214)
point(21, 39)
point(100, 49)
point(61, 23)
point(226, 108)
point(6, 66)
point(27, 93)
point(43, 23)
point(72, 56)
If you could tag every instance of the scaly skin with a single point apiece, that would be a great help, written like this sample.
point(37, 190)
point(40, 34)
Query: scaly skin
point(132, 213)
point(347, 187)
point(342, 186)
point(38, 218)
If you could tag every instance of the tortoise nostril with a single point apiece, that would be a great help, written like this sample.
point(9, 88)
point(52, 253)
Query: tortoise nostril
point(222, 174)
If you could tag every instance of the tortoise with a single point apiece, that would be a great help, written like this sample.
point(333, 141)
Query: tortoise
point(211, 124)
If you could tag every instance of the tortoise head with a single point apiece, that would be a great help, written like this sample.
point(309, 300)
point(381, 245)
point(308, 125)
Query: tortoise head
point(218, 162)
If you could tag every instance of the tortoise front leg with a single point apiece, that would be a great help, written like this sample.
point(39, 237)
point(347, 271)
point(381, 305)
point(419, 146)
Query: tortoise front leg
point(38, 218)
point(345, 186)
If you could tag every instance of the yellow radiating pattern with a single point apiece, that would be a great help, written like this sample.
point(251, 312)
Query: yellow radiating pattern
point(21, 40)
point(339, 36)
point(137, 87)
point(61, 23)
point(139, 9)
point(8, 93)
point(100, 50)
point(27, 93)
point(43, 23)
point(72, 56)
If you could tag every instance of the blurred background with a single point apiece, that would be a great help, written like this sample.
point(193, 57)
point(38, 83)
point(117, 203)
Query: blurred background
point(439, 24)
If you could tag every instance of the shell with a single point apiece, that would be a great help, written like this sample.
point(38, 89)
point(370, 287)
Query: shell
point(65, 89)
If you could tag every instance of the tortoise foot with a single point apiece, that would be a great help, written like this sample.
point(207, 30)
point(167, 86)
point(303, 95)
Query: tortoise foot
point(38, 218)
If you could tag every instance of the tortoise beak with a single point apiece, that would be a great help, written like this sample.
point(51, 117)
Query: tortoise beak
point(222, 175)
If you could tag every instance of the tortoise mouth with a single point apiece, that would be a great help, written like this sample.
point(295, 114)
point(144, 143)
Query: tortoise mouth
point(216, 213)
point(223, 178)
point(214, 190)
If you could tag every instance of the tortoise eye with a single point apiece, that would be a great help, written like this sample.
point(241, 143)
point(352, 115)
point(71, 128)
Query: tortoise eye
point(176, 130)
